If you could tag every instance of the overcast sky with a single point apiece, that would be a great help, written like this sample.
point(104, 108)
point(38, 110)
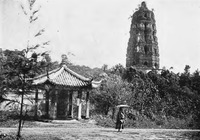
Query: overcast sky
point(97, 31)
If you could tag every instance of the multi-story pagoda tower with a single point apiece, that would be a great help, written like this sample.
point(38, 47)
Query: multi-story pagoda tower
point(142, 50)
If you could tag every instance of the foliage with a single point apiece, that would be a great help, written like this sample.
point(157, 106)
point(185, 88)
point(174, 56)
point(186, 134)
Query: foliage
point(87, 71)
point(159, 97)
point(111, 93)
point(8, 115)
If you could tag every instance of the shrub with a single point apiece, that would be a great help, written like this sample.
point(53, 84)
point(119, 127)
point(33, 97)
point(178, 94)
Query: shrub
point(107, 121)
point(6, 115)
point(103, 120)
point(177, 123)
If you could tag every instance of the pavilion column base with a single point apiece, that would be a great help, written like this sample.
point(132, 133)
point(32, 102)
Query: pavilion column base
point(53, 109)
point(79, 105)
point(71, 115)
point(36, 105)
point(47, 116)
point(87, 106)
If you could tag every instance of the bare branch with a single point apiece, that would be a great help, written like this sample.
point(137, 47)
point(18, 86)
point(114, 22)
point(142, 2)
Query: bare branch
point(130, 17)
point(25, 13)
point(34, 12)
point(33, 48)
point(29, 98)
point(69, 53)
point(44, 53)
point(31, 19)
point(36, 46)
point(46, 43)
point(11, 102)
point(31, 3)
point(40, 32)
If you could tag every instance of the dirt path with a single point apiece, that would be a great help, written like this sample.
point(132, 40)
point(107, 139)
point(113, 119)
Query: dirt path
point(84, 131)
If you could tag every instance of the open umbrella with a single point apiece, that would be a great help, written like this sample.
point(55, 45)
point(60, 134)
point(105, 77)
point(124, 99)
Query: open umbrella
point(122, 106)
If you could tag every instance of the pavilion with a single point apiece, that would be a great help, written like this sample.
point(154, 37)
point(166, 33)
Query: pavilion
point(65, 90)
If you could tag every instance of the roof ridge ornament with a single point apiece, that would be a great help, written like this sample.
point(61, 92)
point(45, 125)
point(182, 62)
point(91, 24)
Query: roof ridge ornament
point(64, 60)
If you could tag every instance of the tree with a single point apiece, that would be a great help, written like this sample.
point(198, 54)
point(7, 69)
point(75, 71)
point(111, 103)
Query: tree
point(185, 79)
point(112, 92)
point(104, 67)
point(2, 77)
point(195, 81)
point(20, 66)
point(158, 95)
point(118, 69)
point(144, 95)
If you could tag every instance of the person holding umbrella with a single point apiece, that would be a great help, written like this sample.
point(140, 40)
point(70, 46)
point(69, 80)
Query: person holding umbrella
point(120, 120)
point(120, 117)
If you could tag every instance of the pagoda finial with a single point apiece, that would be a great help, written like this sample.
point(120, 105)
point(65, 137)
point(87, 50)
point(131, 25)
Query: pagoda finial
point(143, 5)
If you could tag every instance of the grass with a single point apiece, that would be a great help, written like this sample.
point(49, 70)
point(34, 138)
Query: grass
point(141, 121)
point(11, 118)
point(35, 130)
point(86, 131)
point(38, 130)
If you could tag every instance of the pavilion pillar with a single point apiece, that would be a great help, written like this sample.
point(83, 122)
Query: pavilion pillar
point(47, 104)
point(79, 104)
point(36, 104)
point(87, 106)
point(67, 113)
point(71, 104)
point(54, 105)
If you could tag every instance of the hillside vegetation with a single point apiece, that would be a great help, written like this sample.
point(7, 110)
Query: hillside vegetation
point(158, 98)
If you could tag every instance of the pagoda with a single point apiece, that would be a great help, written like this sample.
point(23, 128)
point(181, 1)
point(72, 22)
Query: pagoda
point(142, 50)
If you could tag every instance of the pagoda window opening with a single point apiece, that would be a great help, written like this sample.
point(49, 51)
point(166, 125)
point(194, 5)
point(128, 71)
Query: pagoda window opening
point(155, 38)
point(137, 48)
point(146, 50)
point(155, 51)
point(145, 26)
point(149, 25)
point(142, 26)
point(155, 64)
point(145, 63)
point(145, 15)
point(154, 26)
point(133, 26)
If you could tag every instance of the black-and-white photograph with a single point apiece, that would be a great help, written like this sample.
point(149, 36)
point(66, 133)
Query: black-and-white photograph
point(99, 69)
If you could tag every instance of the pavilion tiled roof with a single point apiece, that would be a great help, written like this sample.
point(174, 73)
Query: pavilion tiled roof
point(63, 76)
